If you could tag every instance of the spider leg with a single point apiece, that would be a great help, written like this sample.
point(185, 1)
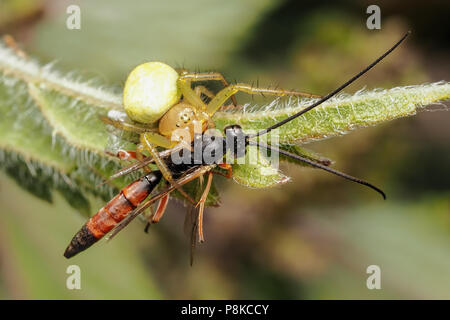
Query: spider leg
point(189, 94)
point(127, 126)
point(123, 154)
point(139, 165)
point(199, 90)
point(162, 166)
point(131, 155)
point(208, 76)
point(203, 90)
point(223, 95)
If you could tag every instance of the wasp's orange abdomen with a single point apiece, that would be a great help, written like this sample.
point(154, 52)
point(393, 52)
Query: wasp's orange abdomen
point(117, 209)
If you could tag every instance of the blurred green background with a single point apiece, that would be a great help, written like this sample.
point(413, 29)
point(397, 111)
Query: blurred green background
point(310, 239)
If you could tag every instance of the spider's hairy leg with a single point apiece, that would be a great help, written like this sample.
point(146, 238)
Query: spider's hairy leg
point(223, 95)
point(181, 70)
point(199, 90)
point(123, 154)
point(127, 126)
point(162, 165)
point(194, 99)
point(209, 76)
point(154, 138)
point(145, 162)
point(159, 140)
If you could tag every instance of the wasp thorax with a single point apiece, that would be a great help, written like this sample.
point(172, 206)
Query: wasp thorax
point(236, 140)
point(150, 90)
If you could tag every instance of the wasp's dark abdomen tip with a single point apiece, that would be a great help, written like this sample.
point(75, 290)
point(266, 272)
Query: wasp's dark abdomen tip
point(81, 241)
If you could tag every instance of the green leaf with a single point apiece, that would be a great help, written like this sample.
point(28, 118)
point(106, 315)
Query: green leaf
point(257, 171)
point(48, 135)
point(65, 115)
point(337, 116)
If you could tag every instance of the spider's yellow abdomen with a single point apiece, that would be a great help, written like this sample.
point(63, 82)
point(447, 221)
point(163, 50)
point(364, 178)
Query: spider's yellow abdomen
point(150, 90)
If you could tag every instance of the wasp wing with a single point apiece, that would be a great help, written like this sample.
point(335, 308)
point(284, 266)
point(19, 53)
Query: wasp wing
point(191, 221)
point(190, 229)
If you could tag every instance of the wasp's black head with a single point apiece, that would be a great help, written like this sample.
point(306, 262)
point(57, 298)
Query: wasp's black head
point(236, 140)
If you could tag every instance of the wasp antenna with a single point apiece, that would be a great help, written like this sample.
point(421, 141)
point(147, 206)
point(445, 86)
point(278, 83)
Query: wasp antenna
point(320, 166)
point(333, 93)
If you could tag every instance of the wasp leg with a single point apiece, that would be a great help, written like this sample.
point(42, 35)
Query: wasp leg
point(148, 216)
point(161, 209)
point(227, 167)
point(201, 205)
point(208, 76)
point(226, 175)
point(223, 95)
point(157, 215)
point(162, 166)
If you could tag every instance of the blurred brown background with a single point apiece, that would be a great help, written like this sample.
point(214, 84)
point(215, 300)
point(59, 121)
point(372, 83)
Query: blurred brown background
point(310, 239)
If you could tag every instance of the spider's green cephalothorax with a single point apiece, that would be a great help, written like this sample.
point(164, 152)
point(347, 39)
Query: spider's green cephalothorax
point(150, 90)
